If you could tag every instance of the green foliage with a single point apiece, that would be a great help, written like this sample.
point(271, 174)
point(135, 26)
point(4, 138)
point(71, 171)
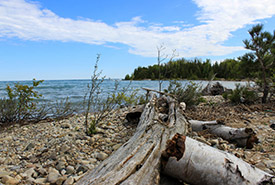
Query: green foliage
point(190, 93)
point(20, 105)
point(123, 99)
point(262, 43)
point(92, 128)
point(23, 105)
point(242, 94)
point(127, 77)
point(100, 107)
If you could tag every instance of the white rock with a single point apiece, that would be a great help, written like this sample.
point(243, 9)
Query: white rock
point(101, 156)
point(53, 175)
point(69, 181)
point(28, 173)
point(10, 180)
point(70, 169)
point(40, 180)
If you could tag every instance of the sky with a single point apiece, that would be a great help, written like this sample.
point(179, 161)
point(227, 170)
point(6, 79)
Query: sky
point(60, 39)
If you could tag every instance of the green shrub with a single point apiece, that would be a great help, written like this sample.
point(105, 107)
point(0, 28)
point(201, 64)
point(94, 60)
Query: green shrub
point(21, 104)
point(242, 94)
point(99, 106)
point(190, 93)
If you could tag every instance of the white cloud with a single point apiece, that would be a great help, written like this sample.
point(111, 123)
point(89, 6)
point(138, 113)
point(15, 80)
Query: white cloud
point(29, 21)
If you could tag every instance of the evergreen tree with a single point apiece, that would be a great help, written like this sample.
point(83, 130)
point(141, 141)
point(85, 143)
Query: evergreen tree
point(262, 44)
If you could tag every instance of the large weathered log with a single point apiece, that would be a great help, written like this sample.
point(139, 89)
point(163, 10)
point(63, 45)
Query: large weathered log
point(243, 137)
point(138, 161)
point(202, 164)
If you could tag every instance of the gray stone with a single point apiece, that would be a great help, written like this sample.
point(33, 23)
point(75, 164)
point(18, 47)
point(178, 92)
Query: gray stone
point(64, 148)
point(69, 181)
point(63, 172)
point(28, 173)
point(2, 160)
point(42, 171)
point(60, 165)
point(40, 180)
point(70, 169)
point(53, 177)
point(93, 160)
point(101, 156)
point(10, 180)
point(60, 180)
point(30, 180)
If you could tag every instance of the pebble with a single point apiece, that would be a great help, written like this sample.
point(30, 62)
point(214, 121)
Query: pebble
point(60, 180)
point(2, 160)
point(10, 180)
point(60, 149)
point(53, 175)
point(69, 181)
point(70, 170)
point(40, 180)
point(29, 173)
point(101, 156)
point(3, 173)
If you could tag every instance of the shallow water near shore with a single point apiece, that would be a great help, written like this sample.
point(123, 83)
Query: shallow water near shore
point(75, 90)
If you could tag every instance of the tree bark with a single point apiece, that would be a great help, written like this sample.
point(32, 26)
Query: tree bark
point(243, 137)
point(138, 161)
point(202, 164)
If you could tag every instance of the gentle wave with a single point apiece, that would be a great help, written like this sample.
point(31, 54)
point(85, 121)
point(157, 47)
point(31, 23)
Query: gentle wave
point(75, 90)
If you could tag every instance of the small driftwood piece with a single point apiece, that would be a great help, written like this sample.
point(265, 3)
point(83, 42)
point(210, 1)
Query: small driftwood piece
point(198, 163)
point(243, 137)
point(138, 161)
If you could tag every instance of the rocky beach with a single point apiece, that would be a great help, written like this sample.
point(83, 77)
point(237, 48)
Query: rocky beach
point(60, 152)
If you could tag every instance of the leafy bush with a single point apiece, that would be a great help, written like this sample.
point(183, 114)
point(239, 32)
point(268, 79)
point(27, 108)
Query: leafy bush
point(99, 106)
point(22, 105)
point(242, 94)
point(189, 93)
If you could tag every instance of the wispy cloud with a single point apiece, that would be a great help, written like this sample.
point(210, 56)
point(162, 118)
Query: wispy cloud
point(29, 21)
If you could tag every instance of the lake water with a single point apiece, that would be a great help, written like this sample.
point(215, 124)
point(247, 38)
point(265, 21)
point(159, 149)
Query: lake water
point(75, 90)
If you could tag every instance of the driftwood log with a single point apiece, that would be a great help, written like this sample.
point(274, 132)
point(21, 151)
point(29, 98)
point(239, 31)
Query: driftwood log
point(138, 161)
point(203, 164)
point(159, 144)
point(243, 137)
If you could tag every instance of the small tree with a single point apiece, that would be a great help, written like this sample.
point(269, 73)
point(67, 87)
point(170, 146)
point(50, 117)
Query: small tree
point(160, 59)
point(101, 106)
point(263, 44)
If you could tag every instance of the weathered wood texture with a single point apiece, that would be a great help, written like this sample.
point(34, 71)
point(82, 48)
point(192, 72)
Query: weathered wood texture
point(202, 164)
point(243, 137)
point(138, 161)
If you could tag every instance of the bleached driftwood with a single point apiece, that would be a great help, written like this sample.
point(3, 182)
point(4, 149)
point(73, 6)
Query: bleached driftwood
point(203, 164)
point(138, 160)
point(244, 137)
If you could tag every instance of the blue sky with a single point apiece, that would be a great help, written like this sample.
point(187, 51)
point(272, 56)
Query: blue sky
point(59, 39)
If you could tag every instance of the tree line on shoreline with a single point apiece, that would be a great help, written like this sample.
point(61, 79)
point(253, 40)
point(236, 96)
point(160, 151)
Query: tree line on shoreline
point(244, 67)
point(257, 64)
